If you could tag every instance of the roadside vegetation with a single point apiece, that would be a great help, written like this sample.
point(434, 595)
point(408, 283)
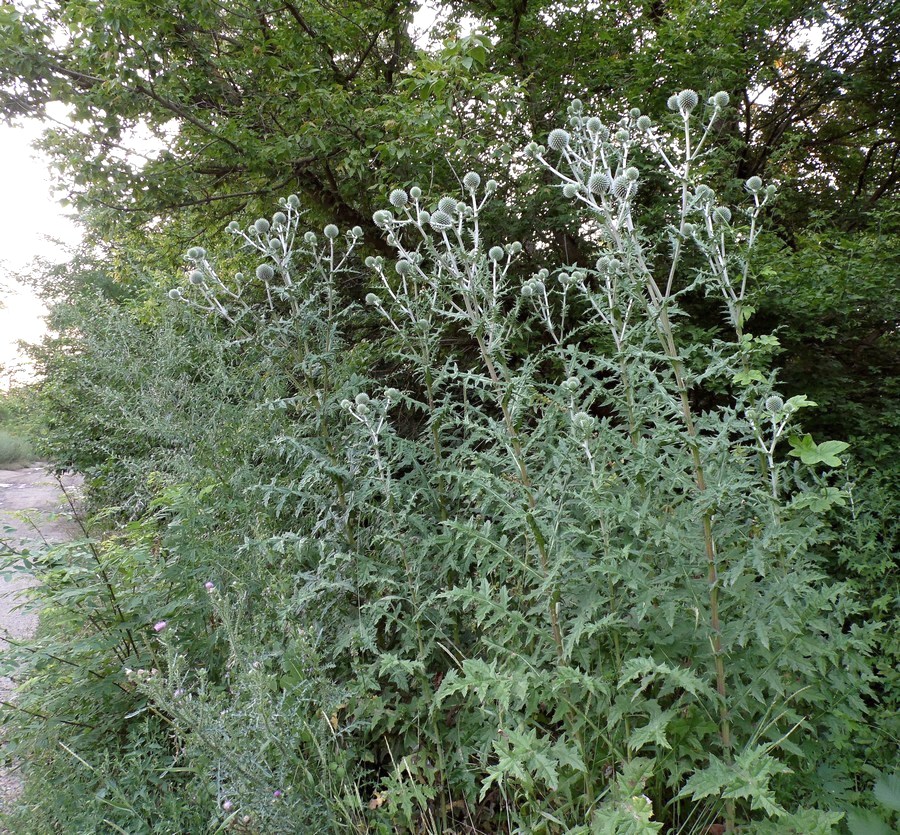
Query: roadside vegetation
point(502, 448)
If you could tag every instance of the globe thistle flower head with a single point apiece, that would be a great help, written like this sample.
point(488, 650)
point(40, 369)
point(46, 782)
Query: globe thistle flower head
point(491, 186)
point(174, 294)
point(688, 229)
point(399, 198)
point(774, 404)
point(261, 226)
point(631, 173)
point(310, 238)
point(599, 183)
point(471, 181)
point(362, 399)
point(233, 227)
point(594, 125)
point(571, 384)
point(264, 272)
point(753, 184)
point(331, 231)
point(279, 219)
point(635, 112)
point(622, 135)
point(461, 207)
point(722, 213)
point(293, 201)
point(532, 149)
point(672, 102)
point(415, 193)
point(575, 122)
point(403, 267)
point(196, 277)
point(771, 190)
point(356, 232)
point(527, 290)
point(622, 187)
point(614, 263)
point(687, 100)
point(345, 403)
point(447, 205)
point(538, 285)
point(392, 394)
point(570, 190)
point(198, 253)
point(643, 123)
point(424, 217)
point(238, 277)
point(602, 264)
point(514, 248)
point(382, 218)
point(583, 422)
point(495, 253)
point(559, 139)
point(440, 221)
point(720, 99)
point(373, 300)
point(576, 106)
point(542, 274)
point(704, 193)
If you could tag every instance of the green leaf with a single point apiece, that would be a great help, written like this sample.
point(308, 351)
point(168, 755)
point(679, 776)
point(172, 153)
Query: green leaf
point(866, 822)
point(887, 791)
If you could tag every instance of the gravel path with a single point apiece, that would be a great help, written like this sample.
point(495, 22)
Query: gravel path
point(33, 505)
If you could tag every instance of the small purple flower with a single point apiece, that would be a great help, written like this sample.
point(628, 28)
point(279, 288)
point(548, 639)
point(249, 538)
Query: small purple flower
point(277, 793)
point(209, 586)
point(227, 805)
point(160, 626)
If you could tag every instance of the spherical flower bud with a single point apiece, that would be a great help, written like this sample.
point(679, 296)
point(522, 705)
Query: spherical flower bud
point(262, 226)
point(424, 217)
point(345, 403)
point(576, 106)
point(441, 221)
point(447, 205)
point(559, 139)
point(527, 290)
point(687, 100)
point(370, 262)
point(622, 187)
point(196, 277)
point(416, 193)
point(471, 181)
point(310, 238)
point(174, 294)
point(672, 102)
point(399, 198)
point(575, 122)
point(571, 384)
point(279, 219)
point(293, 201)
point(570, 190)
point(264, 272)
point(774, 404)
point(753, 184)
point(689, 229)
point(491, 186)
point(631, 173)
point(514, 248)
point(532, 149)
point(233, 227)
point(160, 626)
point(594, 124)
point(704, 193)
point(392, 394)
point(622, 135)
point(330, 231)
point(356, 232)
point(238, 276)
point(197, 253)
point(602, 264)
point(599, 183)
point(720, 99)
point(542, 274)
point(643, 123)
point(362, 408)
point(362, 399)
point(403, 268)
point(770, 190)
point(538, 285)
point(583, 422)
point(614, 263)
point(209, 585)
point(722, 213)
point(381, 218)
point(372, 299)
point(496, 253)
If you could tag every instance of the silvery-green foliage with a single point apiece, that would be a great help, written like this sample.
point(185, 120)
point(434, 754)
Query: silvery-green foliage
point(537, 585)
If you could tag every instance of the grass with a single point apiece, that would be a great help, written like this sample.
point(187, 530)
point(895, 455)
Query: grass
point(15, 452)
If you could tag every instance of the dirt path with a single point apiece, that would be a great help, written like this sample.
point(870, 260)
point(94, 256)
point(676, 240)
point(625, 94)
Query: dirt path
point(33, 505)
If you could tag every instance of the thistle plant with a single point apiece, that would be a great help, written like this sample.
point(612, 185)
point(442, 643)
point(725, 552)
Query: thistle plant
point(541, 587)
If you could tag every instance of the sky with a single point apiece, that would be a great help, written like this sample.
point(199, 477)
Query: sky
point(29, 214)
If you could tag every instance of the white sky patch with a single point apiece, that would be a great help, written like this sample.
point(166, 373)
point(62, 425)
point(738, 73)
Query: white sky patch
point(30, 216)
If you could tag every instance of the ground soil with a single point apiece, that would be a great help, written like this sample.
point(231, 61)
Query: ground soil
point(33, 504)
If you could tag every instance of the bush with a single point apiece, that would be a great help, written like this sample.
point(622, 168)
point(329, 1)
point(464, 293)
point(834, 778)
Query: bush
point(490, 552)
point(14, 451)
